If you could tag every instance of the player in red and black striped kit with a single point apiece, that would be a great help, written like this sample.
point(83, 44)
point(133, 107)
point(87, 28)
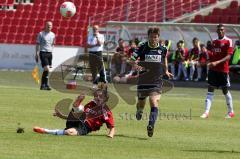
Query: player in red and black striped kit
point(93, 115)
point(218, 75)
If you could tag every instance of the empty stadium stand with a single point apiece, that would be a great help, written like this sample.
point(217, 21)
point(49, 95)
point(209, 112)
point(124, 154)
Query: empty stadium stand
point(22, 24)
point(229, 15)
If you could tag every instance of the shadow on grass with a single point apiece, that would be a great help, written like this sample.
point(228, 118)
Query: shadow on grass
point(120, 136)
point(214, 151)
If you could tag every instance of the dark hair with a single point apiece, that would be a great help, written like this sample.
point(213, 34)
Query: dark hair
point(137, 41)
point(154, 30)
point(202, 45)
point(220, 25)
point(102, 88)
point(131, 42)
point(166, 42)
point(181, 41)
point(195, 39)
point(237, 42)
point(120, 39)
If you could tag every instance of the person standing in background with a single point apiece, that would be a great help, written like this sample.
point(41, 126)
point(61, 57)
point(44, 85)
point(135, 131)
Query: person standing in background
point(218, 74)
point(95, 44)
point(44, 48)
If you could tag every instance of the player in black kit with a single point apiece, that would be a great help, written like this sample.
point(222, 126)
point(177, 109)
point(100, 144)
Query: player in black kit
point(151, 59)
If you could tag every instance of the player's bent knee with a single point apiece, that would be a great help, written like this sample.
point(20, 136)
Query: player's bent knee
point(71, 132)
point(45, 68)
point(210, 89)
point(225, 90)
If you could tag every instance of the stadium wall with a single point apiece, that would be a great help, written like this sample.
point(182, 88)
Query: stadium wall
point(21, 57)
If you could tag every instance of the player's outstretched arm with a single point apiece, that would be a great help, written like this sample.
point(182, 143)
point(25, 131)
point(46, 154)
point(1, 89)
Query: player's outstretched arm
point(111, 132)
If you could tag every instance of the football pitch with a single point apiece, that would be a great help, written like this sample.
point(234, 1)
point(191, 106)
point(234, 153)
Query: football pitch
point(179, 132)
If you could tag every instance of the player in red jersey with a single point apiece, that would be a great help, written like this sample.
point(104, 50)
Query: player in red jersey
point(218, 75)
point(93, 115)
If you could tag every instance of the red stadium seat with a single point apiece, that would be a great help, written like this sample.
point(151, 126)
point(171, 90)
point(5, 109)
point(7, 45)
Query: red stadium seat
point(6, 21)
point(232, 11)
point(224, 19)
point(10, 38)
point(27, 39)
point(217, 11)
point(77, 40)
point(68, 41)
point(13, 29)
point(187, 6)
point(212, 1)
point(58, 16)
point(101, 3)
point(25, 15)
point(15, 22)
point(32, 22)
point(23, 22)
point(73, 24)
point(198, 19)
point(3, 37)
point(59, 40)
point(10, 2)
point(214, 18)
point(178, 11)
point(234, 20)
point(10, 14)
point(42, 15)
point(19, 39)
point(234, 4)
point(207, 19)
point(56, 23)
point(22, 29)
point(34, 15)
point(204, 2)
point(70, 32)
point(62, 31)
point(64, 24)
point(37, 29)
point(196, 5)
point(86, 3)
point(40, 23)
point(2, 14)
point(50, 16)
point(28, 8)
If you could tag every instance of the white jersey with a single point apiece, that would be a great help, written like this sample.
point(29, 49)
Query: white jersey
point(92, 40)
point(46, 41)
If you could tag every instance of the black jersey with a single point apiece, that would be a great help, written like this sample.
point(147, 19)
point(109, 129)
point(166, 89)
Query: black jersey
point(152, 60)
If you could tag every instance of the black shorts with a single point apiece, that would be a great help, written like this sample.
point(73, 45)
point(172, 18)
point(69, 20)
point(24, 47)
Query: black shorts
point(81, 127)
point(46, 58)
point(143, 91)
point(218, 79)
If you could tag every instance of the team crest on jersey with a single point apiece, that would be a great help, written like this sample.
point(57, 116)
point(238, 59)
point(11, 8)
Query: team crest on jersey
point(160, 52)
point(153, 58)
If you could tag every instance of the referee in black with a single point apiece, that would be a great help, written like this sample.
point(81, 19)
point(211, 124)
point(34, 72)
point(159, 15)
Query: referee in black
point(44, 48)
point(95, 47)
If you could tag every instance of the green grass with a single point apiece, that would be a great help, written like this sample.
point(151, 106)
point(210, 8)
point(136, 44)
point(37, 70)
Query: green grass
point(21, 101)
